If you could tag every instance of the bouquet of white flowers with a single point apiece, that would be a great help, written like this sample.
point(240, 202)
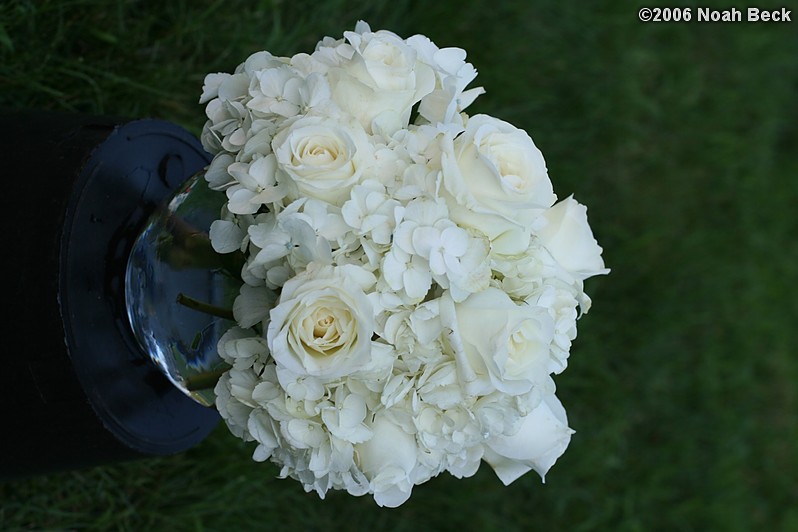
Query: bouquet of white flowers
point(410, 284)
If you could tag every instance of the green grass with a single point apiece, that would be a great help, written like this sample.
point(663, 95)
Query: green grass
point(682, 140)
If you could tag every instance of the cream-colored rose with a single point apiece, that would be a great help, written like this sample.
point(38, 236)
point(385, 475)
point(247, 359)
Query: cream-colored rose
point(382, 79)
point(542, 438)
point(569, 239)
point(388, 459)
point(323, 324)
point(322, 158)
point(496, 181)
point(498, 344)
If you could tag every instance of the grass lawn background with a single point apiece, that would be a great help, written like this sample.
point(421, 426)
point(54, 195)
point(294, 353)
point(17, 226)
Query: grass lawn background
point(682, 139)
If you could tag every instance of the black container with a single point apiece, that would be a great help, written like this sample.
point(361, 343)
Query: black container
point(76, 388)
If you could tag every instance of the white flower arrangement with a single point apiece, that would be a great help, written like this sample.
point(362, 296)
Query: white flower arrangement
point(410, 284)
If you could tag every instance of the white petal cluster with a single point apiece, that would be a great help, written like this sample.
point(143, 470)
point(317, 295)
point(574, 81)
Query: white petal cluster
point(410, 284)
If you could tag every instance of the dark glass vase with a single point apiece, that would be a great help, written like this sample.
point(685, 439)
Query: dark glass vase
point(77, 388)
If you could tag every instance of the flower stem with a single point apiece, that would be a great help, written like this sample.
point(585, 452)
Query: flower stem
point(207, 308)
point(204, 381)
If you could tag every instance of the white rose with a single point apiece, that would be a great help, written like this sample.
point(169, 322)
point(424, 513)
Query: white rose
point(382, 78)
point(323, 324)
point(542, 438)
point(323, 158)
point(496, 180)
point(562, 302)
point(498, 344)
point(570, 241)
point(388, 459)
